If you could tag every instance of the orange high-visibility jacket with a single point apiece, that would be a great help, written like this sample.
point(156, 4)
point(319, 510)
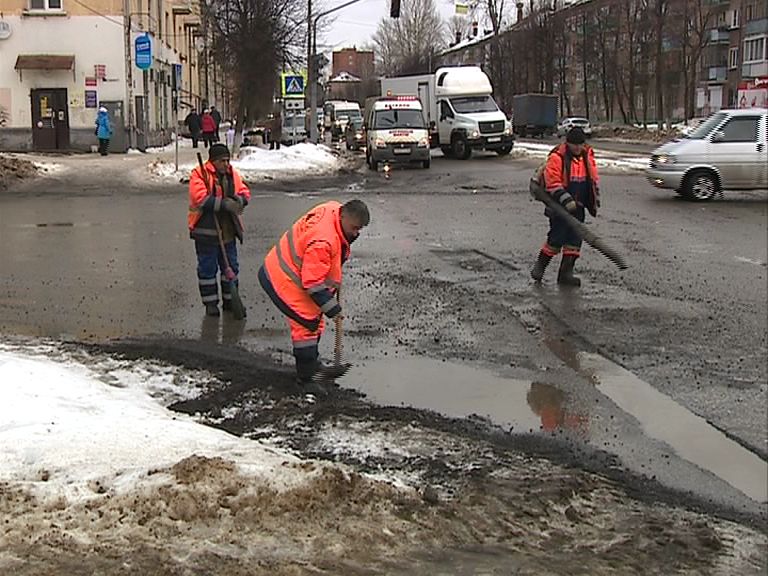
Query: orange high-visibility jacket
point(302, 272)
point(204, 204)
point(578, 179)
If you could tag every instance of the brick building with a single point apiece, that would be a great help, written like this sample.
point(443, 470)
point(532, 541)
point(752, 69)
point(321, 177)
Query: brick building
point(356, 62)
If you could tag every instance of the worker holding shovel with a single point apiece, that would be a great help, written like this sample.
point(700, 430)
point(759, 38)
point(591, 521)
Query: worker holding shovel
point(217, 196)
point(302, 276)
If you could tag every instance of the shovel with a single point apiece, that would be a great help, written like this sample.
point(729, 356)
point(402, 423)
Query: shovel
point(580, 228)
point(238, 310)
point(328, 374)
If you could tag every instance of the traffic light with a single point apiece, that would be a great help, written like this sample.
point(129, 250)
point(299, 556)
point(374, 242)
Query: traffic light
point(394, 9)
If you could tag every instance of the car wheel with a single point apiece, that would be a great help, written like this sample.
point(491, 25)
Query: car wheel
point(427, 163)
point(446, 150)
point(504, 150)
point(701, 185)
point(373, 164)
point(460, 147)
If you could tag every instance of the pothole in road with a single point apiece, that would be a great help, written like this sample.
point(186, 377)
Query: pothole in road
point(452, 389)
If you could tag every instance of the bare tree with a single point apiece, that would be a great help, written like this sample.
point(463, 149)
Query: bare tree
point(409, 44)
point(254, 40)
point(457, 28)
point(698, 17)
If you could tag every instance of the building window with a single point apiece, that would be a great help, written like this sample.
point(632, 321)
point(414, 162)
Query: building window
point(749, 12)
point(735, 18)
point(45, 5)
point(733, 58)
point(754, 49)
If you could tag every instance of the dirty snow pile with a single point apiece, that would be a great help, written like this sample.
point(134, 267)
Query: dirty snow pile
point(72, 431)
point(13, 168)
point(255, 163)
point(300, 160)
point(603, 159)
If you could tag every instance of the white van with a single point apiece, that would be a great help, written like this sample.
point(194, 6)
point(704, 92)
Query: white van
point(395, 131)
point(728, 151)
point(336, 115)
point(294, 127)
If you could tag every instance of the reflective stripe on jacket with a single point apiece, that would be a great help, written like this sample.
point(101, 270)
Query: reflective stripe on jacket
point(578, 180)
point(302, 272)
point(203, 205)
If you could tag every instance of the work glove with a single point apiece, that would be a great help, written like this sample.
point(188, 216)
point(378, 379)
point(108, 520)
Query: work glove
point(233, 206)
point(571, 206)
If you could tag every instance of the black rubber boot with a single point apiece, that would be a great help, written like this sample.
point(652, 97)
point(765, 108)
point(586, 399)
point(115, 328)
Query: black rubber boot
point(305, 371)
point(565, 274)
point(537, 272)
point(211, 309)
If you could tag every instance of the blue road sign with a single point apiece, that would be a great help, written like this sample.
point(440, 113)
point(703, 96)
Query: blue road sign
point(293, 86)
point(143, 46)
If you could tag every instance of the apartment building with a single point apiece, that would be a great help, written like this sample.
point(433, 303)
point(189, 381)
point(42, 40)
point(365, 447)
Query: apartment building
point(60, 60)
point(735, 63)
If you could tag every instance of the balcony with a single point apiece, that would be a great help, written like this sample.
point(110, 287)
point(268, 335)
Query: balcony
point(756, 26)
point(717, 73)
point(754, 69)
point(716, 36)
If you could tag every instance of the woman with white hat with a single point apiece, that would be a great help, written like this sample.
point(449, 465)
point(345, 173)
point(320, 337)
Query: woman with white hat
point(103, 130)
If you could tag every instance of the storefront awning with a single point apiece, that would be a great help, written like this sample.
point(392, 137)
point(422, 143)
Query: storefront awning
point(45, 62)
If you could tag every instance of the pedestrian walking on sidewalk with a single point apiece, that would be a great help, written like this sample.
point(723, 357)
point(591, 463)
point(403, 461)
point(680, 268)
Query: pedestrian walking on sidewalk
point(216, 115)
point(571, 178)
point(276, 132)
point(302, 275)
point(217, 197)
point(103, 130)
point(195, 125)
point(209, 128)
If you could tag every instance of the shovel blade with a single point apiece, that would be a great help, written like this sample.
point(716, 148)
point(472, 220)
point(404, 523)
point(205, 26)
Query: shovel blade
point(238, 310)
point(328, 374)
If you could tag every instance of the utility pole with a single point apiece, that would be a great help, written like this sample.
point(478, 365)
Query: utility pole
point(311, 77)
point(128, 71)
point(312, 49)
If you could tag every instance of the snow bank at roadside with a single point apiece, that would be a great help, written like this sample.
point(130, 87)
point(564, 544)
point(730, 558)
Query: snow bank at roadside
point(603, 159)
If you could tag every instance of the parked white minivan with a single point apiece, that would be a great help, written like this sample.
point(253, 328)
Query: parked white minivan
point(728, 151)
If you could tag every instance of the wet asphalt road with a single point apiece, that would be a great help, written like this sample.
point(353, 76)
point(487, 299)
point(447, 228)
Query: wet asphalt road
point(647, 364)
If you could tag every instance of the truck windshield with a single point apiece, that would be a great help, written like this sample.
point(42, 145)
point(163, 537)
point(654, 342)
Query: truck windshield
point(389, 119)
point(705, 128)
point(290, 121)
point(470, 104)
point(348, 114)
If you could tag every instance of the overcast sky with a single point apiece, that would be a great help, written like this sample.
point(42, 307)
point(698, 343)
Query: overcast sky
point(355, 26)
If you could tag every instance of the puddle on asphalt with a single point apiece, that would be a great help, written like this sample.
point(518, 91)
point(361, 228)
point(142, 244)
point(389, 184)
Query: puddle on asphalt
point(690, 437)
point(522, 406)
point(455, 390)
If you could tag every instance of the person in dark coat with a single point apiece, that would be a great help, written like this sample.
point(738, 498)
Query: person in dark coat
point(195, 125)
point(276, 132)
point(216, 115)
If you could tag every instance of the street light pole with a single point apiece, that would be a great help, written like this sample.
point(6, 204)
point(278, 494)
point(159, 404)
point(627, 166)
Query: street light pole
point(128, 71)
point(312, 49)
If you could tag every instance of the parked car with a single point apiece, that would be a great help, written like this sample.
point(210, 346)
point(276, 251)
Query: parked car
point(568, 123)
point(728, 151)
point(354, 134)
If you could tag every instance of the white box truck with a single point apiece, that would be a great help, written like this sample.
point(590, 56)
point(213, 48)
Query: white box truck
point(459, 108)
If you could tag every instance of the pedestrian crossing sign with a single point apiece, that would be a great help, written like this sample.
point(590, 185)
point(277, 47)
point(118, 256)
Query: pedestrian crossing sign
point(293, 85)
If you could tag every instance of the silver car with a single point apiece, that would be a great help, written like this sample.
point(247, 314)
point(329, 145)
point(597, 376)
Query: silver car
point(728, 151)
point(571, 122)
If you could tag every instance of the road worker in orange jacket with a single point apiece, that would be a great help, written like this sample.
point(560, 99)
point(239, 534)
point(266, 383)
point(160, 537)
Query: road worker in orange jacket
point(302, 275)
point(216, 194)
point(571, 178)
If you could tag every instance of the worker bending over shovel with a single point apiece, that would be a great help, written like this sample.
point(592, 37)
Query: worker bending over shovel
point(302, 276)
